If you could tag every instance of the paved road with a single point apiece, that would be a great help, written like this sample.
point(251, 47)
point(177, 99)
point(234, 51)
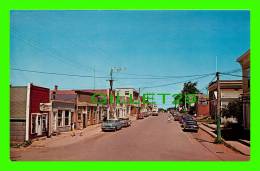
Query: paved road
point(150, 139)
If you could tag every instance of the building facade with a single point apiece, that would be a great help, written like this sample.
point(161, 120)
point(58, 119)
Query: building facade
point(202, 105)
point(27, 121)
point(230, 90)
point(244, 61)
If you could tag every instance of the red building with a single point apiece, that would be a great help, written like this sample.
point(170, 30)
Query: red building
point(26, 119)
point(202, 105)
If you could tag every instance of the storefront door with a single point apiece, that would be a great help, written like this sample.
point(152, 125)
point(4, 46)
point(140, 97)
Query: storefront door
point(39, 125)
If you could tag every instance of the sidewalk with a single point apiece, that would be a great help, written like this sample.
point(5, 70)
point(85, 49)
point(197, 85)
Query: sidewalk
point(235, 145)
point(67, 138)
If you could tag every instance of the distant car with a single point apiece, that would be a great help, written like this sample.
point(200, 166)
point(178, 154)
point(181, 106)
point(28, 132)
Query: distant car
point(155, 114)
point(140, 116)
point(125, 122)
point(146, 114)
point(190, 126)
point(111, 125)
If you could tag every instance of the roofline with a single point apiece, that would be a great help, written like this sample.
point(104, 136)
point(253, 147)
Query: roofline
point(226, 81)
point(243, 55)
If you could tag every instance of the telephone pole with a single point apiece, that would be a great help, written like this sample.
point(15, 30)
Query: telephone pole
point(110, 93)
point(218, 139)
point(94, 77)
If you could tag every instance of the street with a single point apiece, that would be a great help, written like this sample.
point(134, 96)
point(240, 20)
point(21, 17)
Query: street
point(151, 139)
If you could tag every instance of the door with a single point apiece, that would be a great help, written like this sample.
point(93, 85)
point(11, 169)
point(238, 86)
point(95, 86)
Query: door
point(39, 125)
point(54, 121)
point(84, 121)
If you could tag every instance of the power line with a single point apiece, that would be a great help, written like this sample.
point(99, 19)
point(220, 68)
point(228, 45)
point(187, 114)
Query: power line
point(55, 73)
point(207, 84)
point(235, 75)
point(164, 85)
point(52, 52)
point(168, 76)
point(89, 76)
point(177, 76)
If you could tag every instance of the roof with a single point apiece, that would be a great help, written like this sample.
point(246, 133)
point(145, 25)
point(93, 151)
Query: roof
point(226, 84)
point(245, 55)
point(103, 91)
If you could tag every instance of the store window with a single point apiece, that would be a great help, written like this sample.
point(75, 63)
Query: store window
point(44, 123)
point(59, 117)
point(79, 116)
point(67, 117)
point(33, 126)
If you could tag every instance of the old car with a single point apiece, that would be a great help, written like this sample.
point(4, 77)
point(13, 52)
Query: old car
point(190, 125)
point(155, 114)
point(140, 116)
point(111, 125)
point(125, 122)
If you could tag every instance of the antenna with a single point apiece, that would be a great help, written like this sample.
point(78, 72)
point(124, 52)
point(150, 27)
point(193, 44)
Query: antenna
point(216, 63)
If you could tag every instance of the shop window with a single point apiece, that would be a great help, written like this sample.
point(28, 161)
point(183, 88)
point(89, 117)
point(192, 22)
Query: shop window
point(33, 124)
point(88, 109)
point(60, 118)
point(44, 123)
point(79, 117)
point(67, 116)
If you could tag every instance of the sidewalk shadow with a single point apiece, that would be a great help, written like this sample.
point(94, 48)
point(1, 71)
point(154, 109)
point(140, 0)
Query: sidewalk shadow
point(202, 140)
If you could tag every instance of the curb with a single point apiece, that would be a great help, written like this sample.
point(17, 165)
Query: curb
point(244, 142)
point(224, 141)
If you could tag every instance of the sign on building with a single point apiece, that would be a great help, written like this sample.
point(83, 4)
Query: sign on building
point(45, 107)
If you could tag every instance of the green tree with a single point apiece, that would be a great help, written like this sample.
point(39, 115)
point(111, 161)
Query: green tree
point(234, 109)
point(189, 90)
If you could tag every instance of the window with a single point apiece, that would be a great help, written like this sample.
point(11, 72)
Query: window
point(67, 114)
point(248, 77)
point(79, 116)
point(59, 117)
point(44, 123)
point(88, 109)
point(33, 126)
point(126, 93)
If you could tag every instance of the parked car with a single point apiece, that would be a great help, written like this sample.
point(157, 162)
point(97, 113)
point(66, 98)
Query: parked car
point(190, 125)
point(155, 114)
point(140, 116)
point(111, 125)
point(185, 118)
point(177, 117)
point(146, 114)
point(125, 122)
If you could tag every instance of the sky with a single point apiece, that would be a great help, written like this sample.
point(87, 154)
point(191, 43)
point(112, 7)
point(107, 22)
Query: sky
point(143, 43)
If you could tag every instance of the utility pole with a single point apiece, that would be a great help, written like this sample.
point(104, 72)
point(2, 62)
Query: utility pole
point(218, 139)
point(94, 76)
point(185, 105)
point(111, 80)
point(110, 91)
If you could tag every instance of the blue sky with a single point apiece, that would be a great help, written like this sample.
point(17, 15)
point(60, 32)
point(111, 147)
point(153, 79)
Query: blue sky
point(145, 42)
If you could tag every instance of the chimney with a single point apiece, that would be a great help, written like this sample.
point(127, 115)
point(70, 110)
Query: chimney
point(55, 88)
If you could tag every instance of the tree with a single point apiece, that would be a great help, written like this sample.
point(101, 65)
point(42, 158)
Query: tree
point(234, 109)
point(190, 88)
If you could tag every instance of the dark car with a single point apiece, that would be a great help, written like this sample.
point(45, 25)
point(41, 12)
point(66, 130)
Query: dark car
point(185, 118)
point(111, 125)
point(125, 122)
point(190, 125)
point(177, 117)
point(155, 114)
